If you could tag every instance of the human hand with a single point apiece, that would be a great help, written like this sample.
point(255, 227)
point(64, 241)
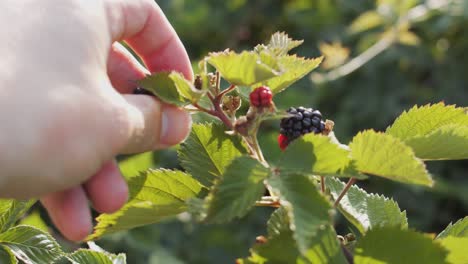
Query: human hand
point(66, 106)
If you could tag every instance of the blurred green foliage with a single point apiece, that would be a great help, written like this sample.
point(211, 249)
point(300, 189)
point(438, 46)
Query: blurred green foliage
point(427, 64)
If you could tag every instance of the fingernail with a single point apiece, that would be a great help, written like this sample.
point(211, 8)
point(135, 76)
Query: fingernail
point(175, 126)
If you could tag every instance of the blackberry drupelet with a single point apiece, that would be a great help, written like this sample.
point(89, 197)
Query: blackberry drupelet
point(301, 121)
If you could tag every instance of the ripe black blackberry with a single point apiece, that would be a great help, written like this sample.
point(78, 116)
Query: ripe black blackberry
point(300, 122)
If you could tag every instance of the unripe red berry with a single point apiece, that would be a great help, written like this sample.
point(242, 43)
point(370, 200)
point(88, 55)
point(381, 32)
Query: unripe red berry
point(261, 97)
point(283, 141)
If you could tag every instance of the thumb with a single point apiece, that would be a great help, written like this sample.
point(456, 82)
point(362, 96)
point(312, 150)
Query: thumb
point(153, 124)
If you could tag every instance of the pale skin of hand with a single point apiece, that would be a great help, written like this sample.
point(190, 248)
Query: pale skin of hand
point(66, 108)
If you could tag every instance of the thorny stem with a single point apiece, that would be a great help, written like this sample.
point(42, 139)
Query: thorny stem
point(351, 181)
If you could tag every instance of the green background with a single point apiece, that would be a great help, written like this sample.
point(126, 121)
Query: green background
point(434, 69)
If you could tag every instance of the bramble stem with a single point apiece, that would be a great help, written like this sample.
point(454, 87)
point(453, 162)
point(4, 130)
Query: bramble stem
point(268, 201)
point(227, 90)
point(351, 181)
point(322, 184)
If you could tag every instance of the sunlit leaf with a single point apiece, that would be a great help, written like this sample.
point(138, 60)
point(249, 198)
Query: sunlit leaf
point(456, 247)
point(316, 154)
point(244, 68)
point(385, 156)
point(11, 211)
point(365, 210)
point(280, 44)
point(208, 151)
point(31, 245)
point(393, 245)
point(293, 69)
point(459, 229)
point(163, 86)
point(154, 195)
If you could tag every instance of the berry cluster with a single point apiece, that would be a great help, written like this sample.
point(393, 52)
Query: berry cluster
point(261, 97)
point(300, 122)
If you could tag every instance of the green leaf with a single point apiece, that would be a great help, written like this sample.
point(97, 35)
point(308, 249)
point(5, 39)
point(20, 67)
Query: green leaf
point(154, 195)
point(31, 245)
point(293, 69)
point(280, 44)
point(446, 142)
point(208, 151)
point(136, 164)
point(457, 249)
point(366, 211)
point(325, 248)
point(423, 120)
point(11, 211)
point(164, 87)
point(279, 249)
point(244, 68)
point(393, 245)
point(315, 154)
point(385, 156)
point(34, 219)
point(186, 88)
point(6, 256)
point(366, 21)
point(307, 208)
point(89, 257)
point(116, 259)
point(237, 191)
point(434, 131)
point(278, 222)
point(459, 229)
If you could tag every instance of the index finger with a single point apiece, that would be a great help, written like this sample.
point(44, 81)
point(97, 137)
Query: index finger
point(143, 25)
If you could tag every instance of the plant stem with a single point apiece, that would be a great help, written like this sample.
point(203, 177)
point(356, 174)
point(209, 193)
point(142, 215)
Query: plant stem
point(268, 201)
point(227, 90)
point(322, 184)
point(344, 191)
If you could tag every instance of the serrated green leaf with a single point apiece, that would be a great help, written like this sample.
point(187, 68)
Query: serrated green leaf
point(422, 121)
point(456, 247)
point(293, 69)
point(6, 256)
point(446, 142)
point(366, 21)
point(31, 245)
point(366, 211)
point(244, 68)
point(163, 86)
point(136, 164)
point(459, 229)
point(208, 151)
point(82, 256)
point(280, 44)
point(237, 191)
point(434, 131)
point(154, 195)
point(186, 88)
point(11, 211)
point(393, 245)
point(278, 222)
point(116, 259)
point(385, 156)
point(325, 248)
point(308, 210)
point(315, 154)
